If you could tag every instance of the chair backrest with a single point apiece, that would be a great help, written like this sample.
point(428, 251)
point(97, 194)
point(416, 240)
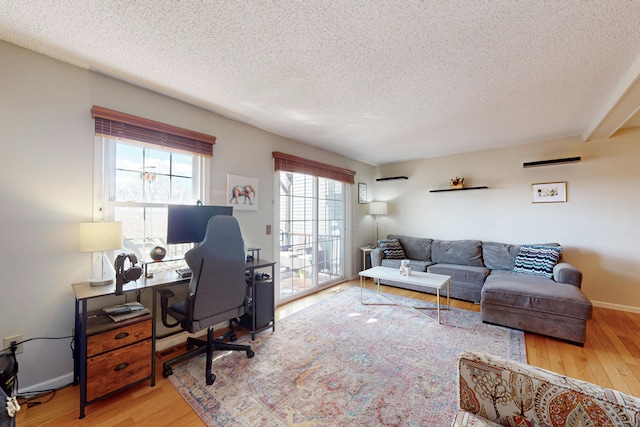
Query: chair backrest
point(218, 286)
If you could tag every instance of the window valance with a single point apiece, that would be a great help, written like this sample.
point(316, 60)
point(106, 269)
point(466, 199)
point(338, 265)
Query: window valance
point(115, 124)
point(289, 163)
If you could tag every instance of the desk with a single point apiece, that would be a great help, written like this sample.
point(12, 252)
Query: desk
point(134, 342)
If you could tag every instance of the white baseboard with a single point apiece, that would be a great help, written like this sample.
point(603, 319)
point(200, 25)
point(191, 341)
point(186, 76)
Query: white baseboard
point(52, 384)
point(618, 307)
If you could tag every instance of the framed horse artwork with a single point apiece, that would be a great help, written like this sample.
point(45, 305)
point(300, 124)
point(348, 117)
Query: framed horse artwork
point(242, 193)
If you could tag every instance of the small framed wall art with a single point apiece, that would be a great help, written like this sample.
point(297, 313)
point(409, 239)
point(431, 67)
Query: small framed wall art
point(362, 192)
point(549, 192)
point(242, 193)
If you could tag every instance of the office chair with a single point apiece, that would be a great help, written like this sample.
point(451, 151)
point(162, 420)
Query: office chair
point(216, 292)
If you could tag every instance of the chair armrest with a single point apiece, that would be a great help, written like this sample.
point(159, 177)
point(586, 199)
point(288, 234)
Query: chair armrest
point(566, 273)
point(377, 255)
point(165, 294)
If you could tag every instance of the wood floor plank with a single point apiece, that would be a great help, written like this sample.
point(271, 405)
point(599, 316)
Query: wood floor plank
point(610, 358)
point(614, 328)
point(632, 321)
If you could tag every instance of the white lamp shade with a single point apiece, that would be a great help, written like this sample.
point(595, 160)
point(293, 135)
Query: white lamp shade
point(378, 208)
point(100, 236)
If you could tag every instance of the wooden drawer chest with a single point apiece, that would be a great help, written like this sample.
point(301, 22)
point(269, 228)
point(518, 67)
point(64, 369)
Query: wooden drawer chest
point(118, 357)
point(115, 355)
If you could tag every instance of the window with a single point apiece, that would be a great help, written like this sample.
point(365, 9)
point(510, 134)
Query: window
point(146, 166)
point(146, 180)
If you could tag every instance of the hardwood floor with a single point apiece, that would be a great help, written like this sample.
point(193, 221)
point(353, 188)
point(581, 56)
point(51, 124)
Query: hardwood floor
point(610, 358)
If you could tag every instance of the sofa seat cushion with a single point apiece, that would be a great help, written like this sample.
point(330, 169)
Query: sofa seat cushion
point(416, 264)
point(461, 273)
point(537, 293)
point(463, 252)
point(468, 419)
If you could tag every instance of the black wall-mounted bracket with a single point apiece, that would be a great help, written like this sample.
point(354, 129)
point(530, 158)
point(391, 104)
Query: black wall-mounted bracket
point(484, 187)
point(551, 162)
point(391, 178)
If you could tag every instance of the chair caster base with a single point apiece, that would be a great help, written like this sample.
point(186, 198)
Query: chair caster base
point(210, 379)
point(250, 354)
point(166, 372)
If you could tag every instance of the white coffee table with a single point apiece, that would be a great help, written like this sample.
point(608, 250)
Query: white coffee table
point(417, 279)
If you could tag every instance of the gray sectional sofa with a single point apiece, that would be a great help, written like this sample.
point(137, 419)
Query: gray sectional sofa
point(483, 272)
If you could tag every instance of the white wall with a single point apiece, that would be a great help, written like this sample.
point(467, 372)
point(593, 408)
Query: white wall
point(46, 172)
point(597, 226)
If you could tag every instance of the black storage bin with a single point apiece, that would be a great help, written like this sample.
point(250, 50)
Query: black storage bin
point(263, 300)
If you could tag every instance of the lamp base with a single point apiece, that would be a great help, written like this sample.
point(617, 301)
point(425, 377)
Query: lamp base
point(102, 273)
point(102, 282)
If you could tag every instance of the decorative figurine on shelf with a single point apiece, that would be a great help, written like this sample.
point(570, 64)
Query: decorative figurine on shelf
point(457, 182)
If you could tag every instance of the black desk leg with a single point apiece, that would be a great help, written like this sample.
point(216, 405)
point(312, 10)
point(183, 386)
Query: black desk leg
point(153, 338)
point(76, 347)
point(83, 357)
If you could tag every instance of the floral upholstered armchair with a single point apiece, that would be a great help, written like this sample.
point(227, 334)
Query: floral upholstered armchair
point(494, 391)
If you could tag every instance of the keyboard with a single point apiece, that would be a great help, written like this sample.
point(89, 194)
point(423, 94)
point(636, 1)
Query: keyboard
point(184, 272)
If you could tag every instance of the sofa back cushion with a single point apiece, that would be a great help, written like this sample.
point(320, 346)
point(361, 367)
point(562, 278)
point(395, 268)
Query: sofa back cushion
point(499, 256)
point(463, 252)
point(414, 247)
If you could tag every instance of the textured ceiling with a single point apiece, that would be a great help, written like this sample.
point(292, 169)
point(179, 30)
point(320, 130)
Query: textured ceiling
point(379, 81)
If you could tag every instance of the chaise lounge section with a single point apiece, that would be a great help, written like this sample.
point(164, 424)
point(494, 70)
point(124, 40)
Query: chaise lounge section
point(524, 287)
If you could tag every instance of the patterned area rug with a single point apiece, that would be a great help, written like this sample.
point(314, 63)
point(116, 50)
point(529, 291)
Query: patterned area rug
point(340, 363)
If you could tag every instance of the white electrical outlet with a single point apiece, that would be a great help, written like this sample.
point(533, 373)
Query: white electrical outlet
point(16, 339)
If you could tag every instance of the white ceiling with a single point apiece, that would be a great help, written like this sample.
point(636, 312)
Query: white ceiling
point(379, 81)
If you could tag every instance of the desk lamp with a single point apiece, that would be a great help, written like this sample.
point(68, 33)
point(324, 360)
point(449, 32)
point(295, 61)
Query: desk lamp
point(377, 208)
point(100, 237)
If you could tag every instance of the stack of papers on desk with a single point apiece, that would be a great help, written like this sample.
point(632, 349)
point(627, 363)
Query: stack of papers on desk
point(125, 311)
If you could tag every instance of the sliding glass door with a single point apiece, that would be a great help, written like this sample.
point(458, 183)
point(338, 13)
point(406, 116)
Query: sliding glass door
point(312, 233)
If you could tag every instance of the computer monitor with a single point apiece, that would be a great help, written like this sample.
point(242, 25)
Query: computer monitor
point(188, 223)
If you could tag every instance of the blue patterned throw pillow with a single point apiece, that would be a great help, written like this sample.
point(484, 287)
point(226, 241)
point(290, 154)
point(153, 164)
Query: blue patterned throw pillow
point(537, 259)
point(392, 249)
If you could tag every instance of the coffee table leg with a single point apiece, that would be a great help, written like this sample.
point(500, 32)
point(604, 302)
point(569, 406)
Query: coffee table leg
point(438, 302)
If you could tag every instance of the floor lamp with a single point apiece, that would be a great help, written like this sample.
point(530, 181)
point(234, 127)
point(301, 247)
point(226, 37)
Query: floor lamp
point(377, 208)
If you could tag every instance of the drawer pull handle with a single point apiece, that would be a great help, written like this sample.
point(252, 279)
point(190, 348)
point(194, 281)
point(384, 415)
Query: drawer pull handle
point(121, 366)
point(122, 335)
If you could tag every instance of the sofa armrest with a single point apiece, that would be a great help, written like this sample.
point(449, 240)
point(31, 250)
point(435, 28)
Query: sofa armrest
point(377, 255)
point(509, 392)
point(566, 273)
